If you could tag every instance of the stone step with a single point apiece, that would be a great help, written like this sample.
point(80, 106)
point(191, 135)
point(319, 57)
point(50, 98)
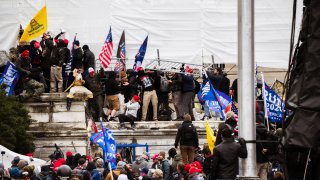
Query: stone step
point(144, 126)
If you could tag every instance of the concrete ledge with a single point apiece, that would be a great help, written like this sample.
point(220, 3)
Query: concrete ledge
point(40, 117)
point(71, 117)
point(62, 107)
point(53, 97)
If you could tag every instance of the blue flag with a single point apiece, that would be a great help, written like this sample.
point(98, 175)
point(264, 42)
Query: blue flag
point(214, 99)
point(9, 78)
point(274, 105)
point(107, 142)
point(98, 138)
point(140, 55)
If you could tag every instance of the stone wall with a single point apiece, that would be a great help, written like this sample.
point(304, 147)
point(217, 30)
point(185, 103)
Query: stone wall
point(52, 123)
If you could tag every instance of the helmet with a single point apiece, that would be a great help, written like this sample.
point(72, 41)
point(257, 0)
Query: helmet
point(64, 171)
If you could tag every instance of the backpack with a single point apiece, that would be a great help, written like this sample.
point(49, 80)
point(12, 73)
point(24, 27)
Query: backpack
point(164, 84)
point(188, 132)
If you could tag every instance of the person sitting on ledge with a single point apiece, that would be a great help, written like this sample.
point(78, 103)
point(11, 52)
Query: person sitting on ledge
point(130, 115)
point(77, 89)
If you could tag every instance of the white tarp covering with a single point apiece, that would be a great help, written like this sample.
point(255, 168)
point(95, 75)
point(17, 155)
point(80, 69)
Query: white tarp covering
point(183, 30)
point(9, 156)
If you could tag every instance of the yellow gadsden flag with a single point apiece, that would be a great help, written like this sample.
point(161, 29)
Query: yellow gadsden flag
point(37, 26)
point(210, 137)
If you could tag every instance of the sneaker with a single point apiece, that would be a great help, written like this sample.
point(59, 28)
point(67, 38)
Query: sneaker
point(133, 127)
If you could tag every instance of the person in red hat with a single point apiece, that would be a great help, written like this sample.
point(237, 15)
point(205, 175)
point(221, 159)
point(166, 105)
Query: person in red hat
point(93, 84)
point(188, 92)
point(32, 87)
point(156, 163)
point(130, 115)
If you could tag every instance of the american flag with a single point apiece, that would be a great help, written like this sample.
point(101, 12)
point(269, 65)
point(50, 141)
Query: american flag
point(106, 52)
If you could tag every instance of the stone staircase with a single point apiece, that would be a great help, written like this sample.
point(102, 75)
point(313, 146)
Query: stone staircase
point(52, 123)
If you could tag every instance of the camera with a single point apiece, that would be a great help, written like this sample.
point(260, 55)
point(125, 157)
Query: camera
point(3, 152)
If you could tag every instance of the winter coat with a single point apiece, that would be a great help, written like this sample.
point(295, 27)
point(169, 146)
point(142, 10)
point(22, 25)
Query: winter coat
point(225, 162)
point(47, 47)
point(261, 134)
point(95, 175)
point(36, 56)
point(93, 84)
point(177, 158)
point(215, 80)
point(111, 85)
point(224, 85)
point(77, 55)
point(188, 83)
point(60, 54)
point(187, 138)
point(176, 82)
point(165, 167)
point(207, 164)
point(23, 65)
point(140, 163)
point(88, 59)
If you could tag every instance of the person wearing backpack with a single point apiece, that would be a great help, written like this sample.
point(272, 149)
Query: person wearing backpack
point(187, 137)
point(163, 89)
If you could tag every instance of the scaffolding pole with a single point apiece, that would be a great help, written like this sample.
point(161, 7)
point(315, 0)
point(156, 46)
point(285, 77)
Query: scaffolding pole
point(247, 126)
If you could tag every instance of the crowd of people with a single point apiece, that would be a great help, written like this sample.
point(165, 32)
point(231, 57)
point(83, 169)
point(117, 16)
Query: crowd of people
point(189, 163)
point(186, 160)
point(126, 95)
point(49, 66)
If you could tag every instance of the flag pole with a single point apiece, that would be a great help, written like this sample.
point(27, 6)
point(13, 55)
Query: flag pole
point(247, 124)
point(104, 149)
point(265, 101)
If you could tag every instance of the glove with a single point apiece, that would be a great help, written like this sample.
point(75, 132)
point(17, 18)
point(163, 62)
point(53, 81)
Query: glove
point(28, 72)
point(242, 141)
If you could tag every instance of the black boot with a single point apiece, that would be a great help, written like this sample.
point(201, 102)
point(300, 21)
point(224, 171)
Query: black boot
point(69, 101)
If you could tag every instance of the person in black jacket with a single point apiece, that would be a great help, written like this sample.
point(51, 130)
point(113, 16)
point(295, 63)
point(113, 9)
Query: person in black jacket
point(225, 163)
point(60, 55)
point(187, 137)
point(224, 84)
point(46, 44)
point(188, 92)
point(77, 56)
point(176, 89)
point(88, 59)
point(208, 159)
point(234, 90)
point(112, 90)
point(230, 122)
point(262, 149)
point(92, 82)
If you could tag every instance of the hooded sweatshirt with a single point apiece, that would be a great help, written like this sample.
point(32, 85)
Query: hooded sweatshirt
point(177, 158)
point(140, 163)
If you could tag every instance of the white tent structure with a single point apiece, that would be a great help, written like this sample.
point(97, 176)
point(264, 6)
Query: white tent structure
point(9, 156)
point(189, 31)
